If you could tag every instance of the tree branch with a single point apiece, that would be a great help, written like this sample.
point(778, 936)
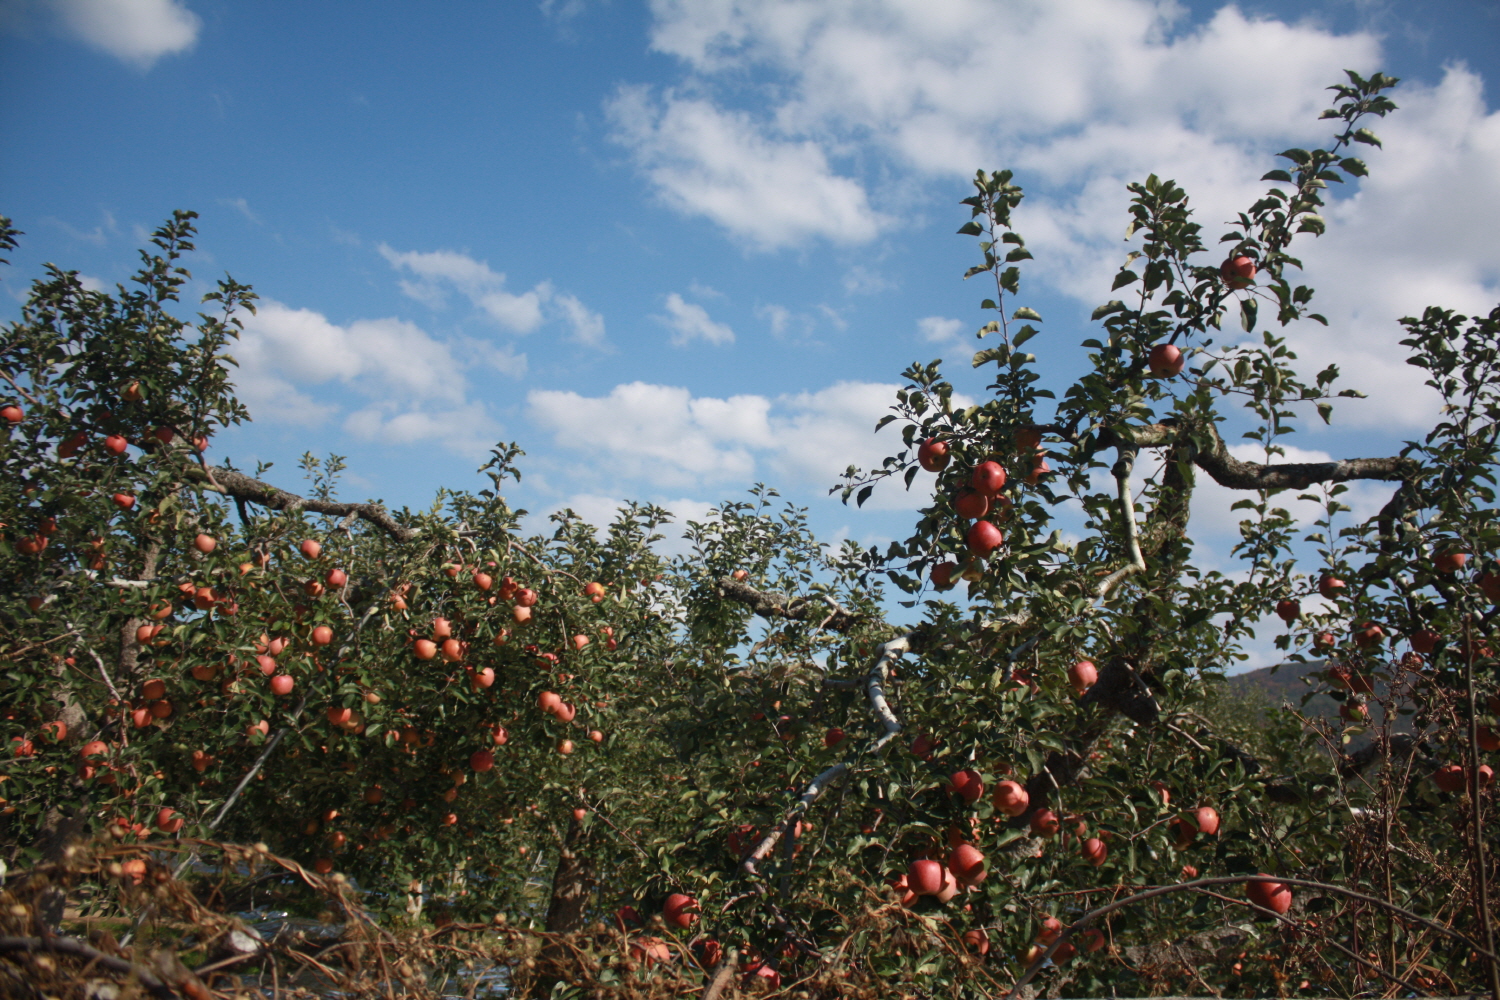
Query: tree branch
point(243, 488)
point(802, 609)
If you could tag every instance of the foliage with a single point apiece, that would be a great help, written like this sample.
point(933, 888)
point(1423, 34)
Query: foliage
point(767, 743)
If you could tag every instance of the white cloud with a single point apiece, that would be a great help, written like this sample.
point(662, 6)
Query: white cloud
point(601, 511)
point(877, 98)
point(241, 206)
point(412, 382)
point(438, 271)
point(138, 32)
point(665, 437)
point(723, 164)
point(939, 329)
point(689, 321)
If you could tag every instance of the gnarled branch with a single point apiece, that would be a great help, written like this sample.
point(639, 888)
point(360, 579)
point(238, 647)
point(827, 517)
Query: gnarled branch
point(802, 609)
point(244, 488)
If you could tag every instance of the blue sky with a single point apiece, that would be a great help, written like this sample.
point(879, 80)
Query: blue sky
point(674, 248)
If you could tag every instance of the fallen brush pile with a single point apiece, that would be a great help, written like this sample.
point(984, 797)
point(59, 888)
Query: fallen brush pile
point(114, 922)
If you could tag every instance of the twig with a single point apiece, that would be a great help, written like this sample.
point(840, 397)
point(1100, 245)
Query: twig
point(71, 946)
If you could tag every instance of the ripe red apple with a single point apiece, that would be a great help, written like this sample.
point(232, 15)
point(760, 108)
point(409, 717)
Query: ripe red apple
point(1238, 272)
point(336, 578)
point(1367, 635)
point(1182, 831)
point(1045, 823)
point(1095, 851)
point(116, 444)
point(1449, 562)
point(1273, 896)
point(205, 543)
point(549, 702)
point(1489, 583)
point(167, 820)
point(1486, 775)
point(942, 575)
point(594, 591)
point(499, 735)
point(923, 746)
point(1207, 819)
point(967, 864)
point(1288, 611)
point(13, 414)
point(596, 736)
point(565, 712)
point(976, 941)
point(263, 727)
point(1330, 587)
point(124, 501)
point(1010, 798)
point(282, 684)
point(988, 479)
point(322, 635)
point(740, 574)
point(971, 504)
point(154, 689)
point(1450, 778)
point(425, 649)
point(983, 538)
point(160, 709)
point(521, 615)
point(1425, 641)
point(483, 581)
point(565, 747)
point(1165, 360)
point(680, 910)
point(1488, 739)
point(967, 784)
point(339, 715)
point(925, 877)
point(526, 597)
point(1050, 931)
point(484, 677)
point(1092, 939)
point(1354, 711)
point(1324, 641)
point(933, 455)
point(1083, 675)
point(310, 548)
point(580, 641)
point(313, 588)
point(452, 650)
point(482, 760)
point(833, 737)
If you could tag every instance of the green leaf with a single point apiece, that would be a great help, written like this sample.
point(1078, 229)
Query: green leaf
point(1312, 224)
point(1026, 312)
point(1024, 334)
point(970, 228)
point(1367, 137)
point(1325, 410)
point(1124, 278)
point(1248, 310)
point(1355, 166)
point(1019, 253)
point(1112, 306)
point(1278, 175)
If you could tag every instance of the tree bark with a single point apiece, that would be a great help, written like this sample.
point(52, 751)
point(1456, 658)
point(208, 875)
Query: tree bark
point(572, 884)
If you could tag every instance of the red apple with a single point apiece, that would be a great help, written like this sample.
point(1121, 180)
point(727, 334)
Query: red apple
point(933, 455)
point(976, 941)
point(153, 690)
point(565, 712)
point(1095, 851)
point(481, 760)
point(205, 543)
point(483, 581)
point(1450, 778)
point(967, 864)
point(1238, 272)
point(452, 650)
point(925, 877)
point(1425, 641)
point(116, 444)
point(680, 910)
point(942, 575)
point(1010, 798)
point(1367, 635)
point(1051, 930)
point(13, 414)
point(596, 736)
point(336, 578)
point(971, 504)
point(580, 641)
point(425, 649)
point(833, 737)
point(1488, 739)
point(1330, 587)
point(124, 501)
point(1083, 675)
point(282, 684)
point(1489, 583)
point(1449, 562)
point(310, 548)
point(565, 747)
point(1165, 360)
point(1044, 823)
point(322, 635)
point(1272, 896)
point(967, 784)
point(499, 735)
point(1288, 611)
point(988, 479)
point(1092, 939)
point(923, 746)
point(263, 727)
point(1207, 819)
point(338, 715)
point(983, 538)
point(484, 677)
point(549, 702)
point(167, 820)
